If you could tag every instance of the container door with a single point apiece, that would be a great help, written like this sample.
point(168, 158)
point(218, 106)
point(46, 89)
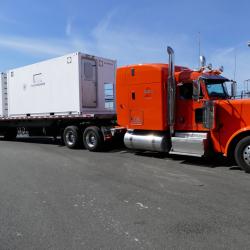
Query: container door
point(89, 83)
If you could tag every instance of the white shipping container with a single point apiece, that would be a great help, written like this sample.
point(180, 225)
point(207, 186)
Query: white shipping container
point(74, 84)
point(3, 96)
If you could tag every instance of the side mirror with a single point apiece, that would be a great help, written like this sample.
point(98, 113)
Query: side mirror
point(196, 90)
point(234, 89)
point(209, 115)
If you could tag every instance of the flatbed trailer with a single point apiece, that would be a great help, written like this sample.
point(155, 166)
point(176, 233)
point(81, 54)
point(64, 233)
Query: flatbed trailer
point(71, 96)
point(92, 131)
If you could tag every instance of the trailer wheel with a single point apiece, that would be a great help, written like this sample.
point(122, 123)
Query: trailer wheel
point(242, 154)
point(72, 137)
point(93, 139)
point(10, 134)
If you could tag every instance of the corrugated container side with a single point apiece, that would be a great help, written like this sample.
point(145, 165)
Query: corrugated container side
point(3, 96)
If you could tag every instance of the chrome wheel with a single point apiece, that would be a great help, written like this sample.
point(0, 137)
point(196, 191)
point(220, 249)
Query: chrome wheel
point(91, 139)
point(70, 138)
point(246, 155)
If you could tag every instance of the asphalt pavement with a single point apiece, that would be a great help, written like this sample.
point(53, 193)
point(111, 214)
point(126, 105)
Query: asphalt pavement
point(52, 197)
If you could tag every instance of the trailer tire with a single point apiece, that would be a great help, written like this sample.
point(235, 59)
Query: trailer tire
point(10, 134)
point(93, 139)
point(242, 154)
point(72, 137)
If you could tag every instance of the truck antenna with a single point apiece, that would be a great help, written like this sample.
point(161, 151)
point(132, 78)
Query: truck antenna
point(235, 63)
point(199, 48)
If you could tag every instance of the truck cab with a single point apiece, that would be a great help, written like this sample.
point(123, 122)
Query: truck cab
point(177, 110)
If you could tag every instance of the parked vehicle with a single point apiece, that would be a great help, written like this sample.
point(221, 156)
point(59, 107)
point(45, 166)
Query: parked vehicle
point(174, 109)
point(158, 107)
point(72, 96)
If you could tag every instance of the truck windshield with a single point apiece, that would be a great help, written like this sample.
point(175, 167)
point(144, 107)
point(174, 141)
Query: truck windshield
point(217, 90)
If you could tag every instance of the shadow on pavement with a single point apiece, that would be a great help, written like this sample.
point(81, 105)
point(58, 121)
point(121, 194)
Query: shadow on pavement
point(211, 162)
point(37, 140)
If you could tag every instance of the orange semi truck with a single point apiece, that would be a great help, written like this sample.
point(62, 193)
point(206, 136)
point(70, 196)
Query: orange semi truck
point(153, 107)
point(174, 109)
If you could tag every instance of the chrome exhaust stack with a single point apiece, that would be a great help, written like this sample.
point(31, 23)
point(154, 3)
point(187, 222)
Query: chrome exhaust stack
point(171, 91)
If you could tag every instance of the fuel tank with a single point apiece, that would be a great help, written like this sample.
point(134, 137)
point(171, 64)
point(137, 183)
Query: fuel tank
point(149, 141)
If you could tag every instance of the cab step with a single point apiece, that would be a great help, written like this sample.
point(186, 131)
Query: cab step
point(189, 143)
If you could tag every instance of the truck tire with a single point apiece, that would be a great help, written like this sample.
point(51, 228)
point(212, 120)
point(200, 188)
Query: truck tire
point(10, 134)
point(93, 139)
point(242, 154)
point(72, 137)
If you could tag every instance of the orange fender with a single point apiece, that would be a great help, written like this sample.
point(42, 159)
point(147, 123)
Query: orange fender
point(245, 129)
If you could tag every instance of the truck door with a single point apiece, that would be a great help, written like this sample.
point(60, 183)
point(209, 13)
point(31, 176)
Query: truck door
point(89, 83)
point(189, 113)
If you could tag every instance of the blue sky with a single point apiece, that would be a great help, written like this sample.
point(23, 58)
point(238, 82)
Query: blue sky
point(129, 31)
